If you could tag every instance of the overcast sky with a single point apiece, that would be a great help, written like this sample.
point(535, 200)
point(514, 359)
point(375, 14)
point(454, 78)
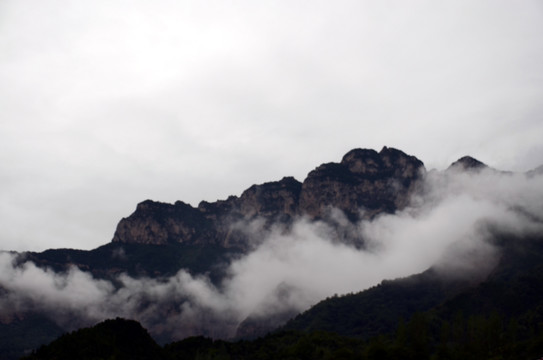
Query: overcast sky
point(104, 104)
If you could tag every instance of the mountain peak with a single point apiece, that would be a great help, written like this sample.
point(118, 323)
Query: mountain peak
point(124, 339)
point(371, 162)
point(364, 179)
point(362, 161)
point(468, 163)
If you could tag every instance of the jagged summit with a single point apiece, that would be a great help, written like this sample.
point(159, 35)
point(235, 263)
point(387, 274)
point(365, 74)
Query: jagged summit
point(161, 223)
point(364, 179)
point(367, 180)
point(371, 162)
point(468, 163)
point(364, 184)
point(362, 161)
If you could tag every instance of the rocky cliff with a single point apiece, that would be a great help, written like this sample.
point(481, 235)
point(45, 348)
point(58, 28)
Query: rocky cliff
point(364, 184)
point(210, 223)
point(160, 223)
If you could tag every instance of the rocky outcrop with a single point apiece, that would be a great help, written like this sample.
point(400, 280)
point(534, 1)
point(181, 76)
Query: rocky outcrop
point(273, 200)
point(276, 200)
point(160, 223)
point(210, 223)
point(365, 180)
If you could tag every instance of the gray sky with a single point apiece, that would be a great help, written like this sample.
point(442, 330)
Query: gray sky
point(104, 104)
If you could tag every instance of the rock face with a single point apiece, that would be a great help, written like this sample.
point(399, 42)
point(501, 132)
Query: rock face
point(210, 223)
point(366, 180)
point(159, 223)
point(273, 200)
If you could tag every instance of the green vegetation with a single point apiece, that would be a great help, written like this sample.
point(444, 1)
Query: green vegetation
point(423, 337)
point(117, 339)
point(377, 310)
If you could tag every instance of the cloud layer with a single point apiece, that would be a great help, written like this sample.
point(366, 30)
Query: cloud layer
point(449, 225)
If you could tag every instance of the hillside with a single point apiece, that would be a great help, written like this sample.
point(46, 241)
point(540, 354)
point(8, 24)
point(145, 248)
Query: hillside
point(511, 290)
point(112, 339)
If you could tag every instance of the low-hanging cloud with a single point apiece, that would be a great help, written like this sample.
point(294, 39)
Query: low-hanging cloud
point(447, 226)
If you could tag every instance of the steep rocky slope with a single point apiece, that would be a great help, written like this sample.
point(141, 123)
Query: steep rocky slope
point(364, 184)
point(364, 180)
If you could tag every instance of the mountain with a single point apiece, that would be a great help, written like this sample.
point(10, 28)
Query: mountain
point(362, 180)
point(467, 163)
point(125, 339)
point(511, 289)
point(184, 270)
point(159, 239)
point(112, 339)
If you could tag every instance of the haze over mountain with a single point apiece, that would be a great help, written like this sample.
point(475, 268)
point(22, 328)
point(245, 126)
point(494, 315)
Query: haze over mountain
point(245, 265)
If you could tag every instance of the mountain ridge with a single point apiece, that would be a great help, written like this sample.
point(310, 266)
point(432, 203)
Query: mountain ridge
point(159, 239)
point(377, 182)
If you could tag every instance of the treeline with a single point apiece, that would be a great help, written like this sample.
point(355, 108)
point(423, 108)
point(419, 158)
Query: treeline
point(423, 337)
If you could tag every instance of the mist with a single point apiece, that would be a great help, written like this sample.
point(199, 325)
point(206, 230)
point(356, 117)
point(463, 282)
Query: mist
point(446, 226)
